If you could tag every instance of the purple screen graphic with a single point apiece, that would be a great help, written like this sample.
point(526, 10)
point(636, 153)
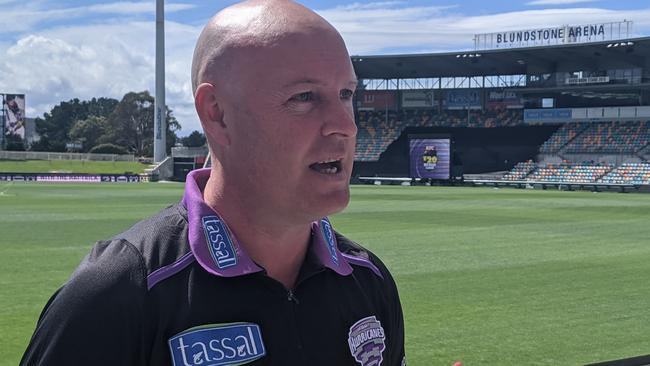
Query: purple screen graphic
point(430, 157)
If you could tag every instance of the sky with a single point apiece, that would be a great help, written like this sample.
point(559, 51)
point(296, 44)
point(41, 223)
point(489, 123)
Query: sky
point(57, 50)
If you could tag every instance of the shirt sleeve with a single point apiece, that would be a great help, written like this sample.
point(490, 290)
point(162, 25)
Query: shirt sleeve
point(394, 354)
point(97, 317)
point(397, 354)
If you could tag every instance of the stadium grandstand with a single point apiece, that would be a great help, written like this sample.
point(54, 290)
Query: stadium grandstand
point(567, 113)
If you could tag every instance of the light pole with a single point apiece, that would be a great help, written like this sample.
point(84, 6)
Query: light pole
point(160, 112)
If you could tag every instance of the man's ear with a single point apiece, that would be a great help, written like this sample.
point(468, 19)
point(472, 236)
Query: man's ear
point(211, 114)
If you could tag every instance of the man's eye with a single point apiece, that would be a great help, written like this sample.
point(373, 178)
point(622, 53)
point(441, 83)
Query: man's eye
point(346, 93)
point(303, 97)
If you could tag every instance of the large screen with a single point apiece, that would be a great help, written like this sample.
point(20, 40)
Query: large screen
point(430, 157)
point(14, 108)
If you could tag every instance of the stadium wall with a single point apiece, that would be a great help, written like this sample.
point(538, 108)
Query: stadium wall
point(474, 150)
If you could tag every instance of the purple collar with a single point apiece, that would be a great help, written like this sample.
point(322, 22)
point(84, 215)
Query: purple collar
point(219, 252)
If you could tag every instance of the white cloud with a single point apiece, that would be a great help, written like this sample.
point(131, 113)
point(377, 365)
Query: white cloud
point(100, 60)
point(376, 30)
point(373, 5)
point(28, 15)
point(559, 2)
point(124, 7)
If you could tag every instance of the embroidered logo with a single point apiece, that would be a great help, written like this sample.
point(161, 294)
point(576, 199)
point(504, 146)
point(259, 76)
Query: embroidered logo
point(219, 243)
point(366, 341)
point(328, 234)
point(217, 345)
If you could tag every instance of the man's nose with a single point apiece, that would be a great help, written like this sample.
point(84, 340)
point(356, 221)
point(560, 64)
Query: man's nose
point(339, 120)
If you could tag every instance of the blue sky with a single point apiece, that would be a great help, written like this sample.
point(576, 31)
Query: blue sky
point(55, 50)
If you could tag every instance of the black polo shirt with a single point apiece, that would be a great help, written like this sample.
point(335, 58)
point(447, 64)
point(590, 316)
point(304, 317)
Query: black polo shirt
point(179, 289)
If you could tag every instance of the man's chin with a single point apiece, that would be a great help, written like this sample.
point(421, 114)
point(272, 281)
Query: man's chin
point(334, 202)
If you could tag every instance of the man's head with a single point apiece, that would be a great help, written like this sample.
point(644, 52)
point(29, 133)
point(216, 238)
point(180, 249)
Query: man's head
point(273, 86)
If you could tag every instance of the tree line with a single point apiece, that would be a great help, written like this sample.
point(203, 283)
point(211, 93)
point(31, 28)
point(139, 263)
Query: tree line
point(106, 125)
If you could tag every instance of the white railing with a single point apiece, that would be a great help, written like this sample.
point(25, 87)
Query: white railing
point(37, 155)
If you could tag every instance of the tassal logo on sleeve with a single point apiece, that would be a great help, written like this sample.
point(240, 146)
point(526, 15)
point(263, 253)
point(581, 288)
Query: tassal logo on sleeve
point(219, 243)
point(326, 228)
point(217, 345)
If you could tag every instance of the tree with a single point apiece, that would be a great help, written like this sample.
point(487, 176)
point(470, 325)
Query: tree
point(172, 127)
point(54, 127)
point(14, 142)
point(88, 131)
point(131, 124)
point(127, 123)
point(108, 149)
point(195, 139)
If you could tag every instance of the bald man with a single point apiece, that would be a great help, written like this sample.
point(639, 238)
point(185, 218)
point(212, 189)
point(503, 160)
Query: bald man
point(247, 268)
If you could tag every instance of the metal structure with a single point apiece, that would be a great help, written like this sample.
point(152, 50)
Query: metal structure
point(2, 123)
point(498, 66)
point(160, 112)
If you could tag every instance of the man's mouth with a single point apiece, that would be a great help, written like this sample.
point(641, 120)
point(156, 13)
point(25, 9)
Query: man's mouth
point(331, 166)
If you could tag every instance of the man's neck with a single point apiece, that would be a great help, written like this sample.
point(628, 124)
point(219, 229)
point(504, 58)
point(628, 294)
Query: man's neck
point(277, 247)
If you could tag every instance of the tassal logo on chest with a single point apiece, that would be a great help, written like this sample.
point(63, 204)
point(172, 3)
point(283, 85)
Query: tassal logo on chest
point(217, 345)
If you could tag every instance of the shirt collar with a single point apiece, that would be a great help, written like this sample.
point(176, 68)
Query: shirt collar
point(219, 252)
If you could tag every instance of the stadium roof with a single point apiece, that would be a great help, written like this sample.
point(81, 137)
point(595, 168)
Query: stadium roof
point(626, 53)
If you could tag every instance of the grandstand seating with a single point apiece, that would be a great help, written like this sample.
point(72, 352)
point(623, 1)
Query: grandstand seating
point(377, 130)
point(563, 136)
point(626, 137)
point(629, 173)
point(586, 172)
point(521, 170)
point(614, 137)
point(549, 173)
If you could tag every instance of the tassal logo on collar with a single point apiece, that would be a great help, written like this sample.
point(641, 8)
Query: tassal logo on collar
point(328, 234)
point(217, 345)
point(219, 243)
point(366, 340)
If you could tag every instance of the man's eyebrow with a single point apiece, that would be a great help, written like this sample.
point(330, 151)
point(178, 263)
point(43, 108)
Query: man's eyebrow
point(303, 81)
point(354, 82)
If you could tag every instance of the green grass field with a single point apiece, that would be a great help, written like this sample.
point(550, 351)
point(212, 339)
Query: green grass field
point(486, 276)
point(71, 166)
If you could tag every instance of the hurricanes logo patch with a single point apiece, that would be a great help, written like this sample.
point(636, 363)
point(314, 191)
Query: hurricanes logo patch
point(366, 341)
point(219, 243)
point(217, 345)
point(326, 228)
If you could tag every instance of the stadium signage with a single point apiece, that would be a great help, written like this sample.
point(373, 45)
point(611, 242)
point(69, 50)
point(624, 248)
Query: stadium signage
point(69, 178)
point(587, 80)
point(12, 107)
point(547, 34)
point(566, 34)
point(547, 115)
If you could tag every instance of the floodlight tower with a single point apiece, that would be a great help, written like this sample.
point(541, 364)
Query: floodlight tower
point(160, 112)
